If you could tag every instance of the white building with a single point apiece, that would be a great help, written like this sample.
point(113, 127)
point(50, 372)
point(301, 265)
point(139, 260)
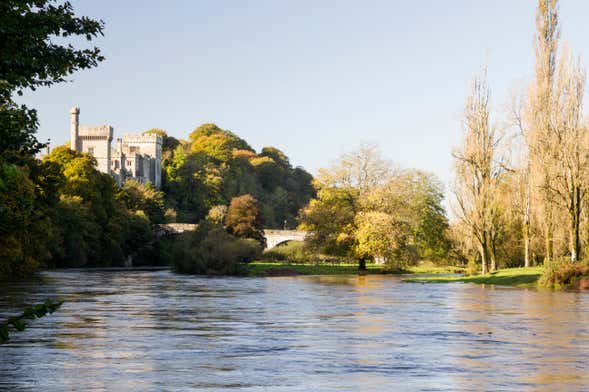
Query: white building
point(137, 157)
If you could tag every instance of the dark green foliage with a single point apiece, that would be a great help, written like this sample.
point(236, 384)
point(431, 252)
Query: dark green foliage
point(98, 223)
point(211, 250)
point(36, 47)
point(144, 198)
point(63, 212)
point(17, 217)
point(31, 58)
point(19, 323)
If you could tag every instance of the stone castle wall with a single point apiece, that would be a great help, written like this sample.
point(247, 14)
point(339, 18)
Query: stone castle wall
point(96, 142)
point(135, 157)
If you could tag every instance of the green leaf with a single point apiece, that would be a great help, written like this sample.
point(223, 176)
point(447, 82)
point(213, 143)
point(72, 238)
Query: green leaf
point(18, 325)
point(3, 334)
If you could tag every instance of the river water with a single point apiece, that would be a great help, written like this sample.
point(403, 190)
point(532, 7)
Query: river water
point(152, 331)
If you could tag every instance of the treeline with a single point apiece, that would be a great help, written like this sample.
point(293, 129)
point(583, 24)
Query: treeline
point(214, 165)
point(31, 191)
point(521, 189)
point(62, 212)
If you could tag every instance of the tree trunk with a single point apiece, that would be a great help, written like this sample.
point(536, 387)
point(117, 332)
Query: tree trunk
point(362, 264)
point(526, 225)
point(492, 255)
point(526, 233)
point(575, 214)
point(484, 253)
point(548, 241)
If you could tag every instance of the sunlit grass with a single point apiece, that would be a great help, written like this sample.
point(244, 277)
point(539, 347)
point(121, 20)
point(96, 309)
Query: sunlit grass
point(526, 277)
point(428, 267)
point(264, 268)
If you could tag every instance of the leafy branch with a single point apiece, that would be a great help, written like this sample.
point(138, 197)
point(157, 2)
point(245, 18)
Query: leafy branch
point(19, 323)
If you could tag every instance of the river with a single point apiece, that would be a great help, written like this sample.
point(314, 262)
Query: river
point(152, 331)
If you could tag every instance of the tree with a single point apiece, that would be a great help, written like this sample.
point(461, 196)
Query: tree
point(35, 52)
point(381, 235)
point(570, 144)
point(362, 169)
point(540, 109)
point(366, 209)
point(413, 199)
point(216, 142)
point(477, 170)
point(32, 58)
point(217, 214)
point(244, 219)
point(145, 198)
point(521, 183)
point(330, 218)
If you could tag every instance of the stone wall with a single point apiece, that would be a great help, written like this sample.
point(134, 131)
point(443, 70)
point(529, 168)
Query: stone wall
point(136, 156)
point(96, 141)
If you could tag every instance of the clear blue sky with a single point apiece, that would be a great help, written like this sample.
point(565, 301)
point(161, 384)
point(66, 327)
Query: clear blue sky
point(313, 78)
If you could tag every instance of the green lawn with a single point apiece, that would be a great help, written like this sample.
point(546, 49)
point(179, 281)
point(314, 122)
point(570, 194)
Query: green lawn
point(266, 268)
point(526, 277)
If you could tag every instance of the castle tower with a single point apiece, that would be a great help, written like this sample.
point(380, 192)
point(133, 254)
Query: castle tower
point(74, 128)
point(146, 151)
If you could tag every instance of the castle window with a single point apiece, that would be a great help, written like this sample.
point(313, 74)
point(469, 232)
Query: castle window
point(134, 149)
point(91, 151)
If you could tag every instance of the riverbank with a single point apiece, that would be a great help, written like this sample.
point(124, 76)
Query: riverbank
point(276, 268)
point(520, 277)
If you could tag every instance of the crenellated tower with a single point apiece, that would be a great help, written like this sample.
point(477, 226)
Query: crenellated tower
point(74, 128)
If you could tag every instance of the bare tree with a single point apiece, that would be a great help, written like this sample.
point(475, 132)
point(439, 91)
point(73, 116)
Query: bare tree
point(539, 109)
point(362, 169)
point(569, 144)
point(477, 171)
point(522, 197)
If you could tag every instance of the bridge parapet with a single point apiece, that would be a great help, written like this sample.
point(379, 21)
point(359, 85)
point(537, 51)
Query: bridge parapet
point(176, 228)
point(276, 237)
point(273, 237)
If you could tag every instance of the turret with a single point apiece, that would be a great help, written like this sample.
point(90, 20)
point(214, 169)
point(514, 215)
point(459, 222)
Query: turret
point(74, 127)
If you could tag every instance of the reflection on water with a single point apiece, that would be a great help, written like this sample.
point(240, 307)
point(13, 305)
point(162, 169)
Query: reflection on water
point(160, 331)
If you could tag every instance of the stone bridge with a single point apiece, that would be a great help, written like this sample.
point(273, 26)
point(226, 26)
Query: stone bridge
point(277, 237)
point(273, 237)
point(175, 228)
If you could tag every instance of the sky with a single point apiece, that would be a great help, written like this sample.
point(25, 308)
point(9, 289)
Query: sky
point(313, 78)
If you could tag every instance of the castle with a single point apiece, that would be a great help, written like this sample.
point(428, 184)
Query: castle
point(137, 157)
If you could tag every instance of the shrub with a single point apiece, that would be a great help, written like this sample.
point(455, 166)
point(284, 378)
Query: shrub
point(473, 267)
point(211, 250)
point(561, 273)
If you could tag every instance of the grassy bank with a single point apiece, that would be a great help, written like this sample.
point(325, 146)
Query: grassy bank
point(277, 268)
point(522, 277)
point(265, 268)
